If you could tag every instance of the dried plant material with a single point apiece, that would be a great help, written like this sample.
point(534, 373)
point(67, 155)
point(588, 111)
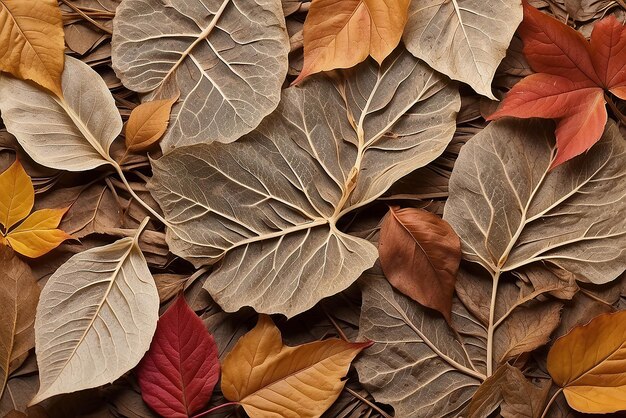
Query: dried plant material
point(227, 58)
point(588, 364)
point(572, 76)
point(179, 372)
point(270, 379)
point(95, 319)
point(31, 42)
point(420, 256)
point(19, 294)
point(73, 133)
point(341, 34)
point(36, 235)
point(464, 39)
point(281, 249)
point(147, 124)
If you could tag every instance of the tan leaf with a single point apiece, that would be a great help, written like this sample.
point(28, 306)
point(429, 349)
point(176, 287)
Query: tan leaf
point(31, 41)
point(342, 33)
point(588, 363)
point(19, 294)
point(17, 195)
point(270, 379)
point(38, 234)
point(420, 255)
point(147, 124)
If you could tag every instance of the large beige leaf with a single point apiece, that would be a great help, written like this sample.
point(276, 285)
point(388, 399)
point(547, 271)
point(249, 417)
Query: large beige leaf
point(269, 203)
point(509, 211)
point(464, 39)
point(95, 320)
point(31, 41)
point(228, 58)
point(19, 293)
point(418, 364)
point(72, 133)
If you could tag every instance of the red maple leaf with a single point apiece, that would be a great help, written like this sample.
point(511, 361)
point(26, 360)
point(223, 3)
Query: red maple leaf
point(571, 78)
point(178, 374)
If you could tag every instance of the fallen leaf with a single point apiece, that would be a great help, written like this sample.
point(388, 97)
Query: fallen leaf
point(228, 60)
point(17, 195)
point(420, 255)
point(147, 124)
point(73, 133)
point(179, 372)
point(281, 250)
point(509, 390)
point(32, 42)
point(464, 39)
point(270, 379)
point(19, 294)
point(588, 364)
point(95, 319)
point(341, 34)
point(571, 79)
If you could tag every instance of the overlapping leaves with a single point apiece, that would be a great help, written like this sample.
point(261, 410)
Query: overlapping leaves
point(268, 205)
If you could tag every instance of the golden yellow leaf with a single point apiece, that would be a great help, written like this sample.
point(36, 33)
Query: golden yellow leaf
point(342, 33)
point(589, 363)
point(17, 195)
point(38, 234)
point(32, 41)
point(147, 124)
point(270, 379)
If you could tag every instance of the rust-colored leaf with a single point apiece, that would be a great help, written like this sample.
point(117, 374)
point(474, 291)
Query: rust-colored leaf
point(420, 255)
point(147, 124)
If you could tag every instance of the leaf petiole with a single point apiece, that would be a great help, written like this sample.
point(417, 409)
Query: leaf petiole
point(210, 411)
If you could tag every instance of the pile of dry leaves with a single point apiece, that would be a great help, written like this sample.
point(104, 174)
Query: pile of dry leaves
point(336, 208)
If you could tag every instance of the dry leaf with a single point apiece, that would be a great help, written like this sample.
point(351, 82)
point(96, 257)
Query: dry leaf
point(17, 195)
point(343, 33)
point(420, 256)
point(464, 39)
point(588, 363)
point(95, 319)
point(147, 124)
point(281, 249)
point(31, 41)
point(228, 60)
point(270, 379)
point(19, 294)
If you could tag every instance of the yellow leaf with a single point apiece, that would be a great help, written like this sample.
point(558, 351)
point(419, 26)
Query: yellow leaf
point(589, 363)
point(342, 33)
point(38, 234)
point(147, 124)
point(32, 41)
point(270, 379)
point(17, 195)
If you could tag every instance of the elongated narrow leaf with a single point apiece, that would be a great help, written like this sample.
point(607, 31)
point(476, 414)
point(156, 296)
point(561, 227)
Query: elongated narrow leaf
point(464, 39)
point(588, 363)
point(31, 41)
point(418, 364)
point(179, 372)
point(95, 319)
point(19, 293)
point(271, 379)
point(17, 195)
point(228, 58)
point(509, 210)
point(269, 203)
point(73, 133)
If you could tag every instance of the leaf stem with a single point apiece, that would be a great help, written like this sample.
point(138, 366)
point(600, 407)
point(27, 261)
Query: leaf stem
point(135, 196)
point(87, 18)
point(492, 327)
point(550, 402)
point(368, 403)
point(618, 114)
point(224, 405)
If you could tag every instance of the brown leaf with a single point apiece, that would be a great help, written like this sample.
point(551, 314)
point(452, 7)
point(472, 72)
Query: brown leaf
point(508, 389)
point(147, 124)
point(19, 294)
point(420, 256)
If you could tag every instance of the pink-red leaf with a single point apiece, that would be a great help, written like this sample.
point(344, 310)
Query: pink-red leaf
point(572, 76)
point(179, 372)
